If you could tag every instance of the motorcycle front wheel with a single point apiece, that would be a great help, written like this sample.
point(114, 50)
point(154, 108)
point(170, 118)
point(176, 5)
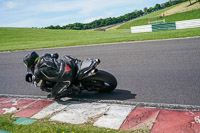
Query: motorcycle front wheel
point(102, 81)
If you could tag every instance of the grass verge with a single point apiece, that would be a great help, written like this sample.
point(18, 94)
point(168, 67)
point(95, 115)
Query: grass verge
point(12, 39)
point(45, 126)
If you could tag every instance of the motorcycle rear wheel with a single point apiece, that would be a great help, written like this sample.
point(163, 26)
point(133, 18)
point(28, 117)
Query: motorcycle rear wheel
point(102, 81)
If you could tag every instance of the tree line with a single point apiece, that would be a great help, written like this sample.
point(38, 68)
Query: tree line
point(115, 20)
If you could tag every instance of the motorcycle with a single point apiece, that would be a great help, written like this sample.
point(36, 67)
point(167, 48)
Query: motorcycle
point(89, 78)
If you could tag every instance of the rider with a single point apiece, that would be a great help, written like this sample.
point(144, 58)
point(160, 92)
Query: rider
point(49, 69)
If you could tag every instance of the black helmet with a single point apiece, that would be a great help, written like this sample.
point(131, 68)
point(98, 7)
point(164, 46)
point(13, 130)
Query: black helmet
point(31, 59)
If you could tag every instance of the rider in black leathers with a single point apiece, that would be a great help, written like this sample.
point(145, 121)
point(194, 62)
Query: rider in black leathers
point(49, 69)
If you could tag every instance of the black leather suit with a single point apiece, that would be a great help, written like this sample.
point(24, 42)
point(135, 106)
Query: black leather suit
point(59, 71)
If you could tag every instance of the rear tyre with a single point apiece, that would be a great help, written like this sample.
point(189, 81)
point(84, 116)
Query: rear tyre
point(102, 81)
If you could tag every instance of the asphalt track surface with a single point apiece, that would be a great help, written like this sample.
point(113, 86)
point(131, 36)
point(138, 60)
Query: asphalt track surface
point(163, 71)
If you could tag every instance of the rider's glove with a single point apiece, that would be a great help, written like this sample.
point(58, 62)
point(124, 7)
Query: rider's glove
point(28, 77)
point(34, 81)
point(55, 55)
point(39, 83)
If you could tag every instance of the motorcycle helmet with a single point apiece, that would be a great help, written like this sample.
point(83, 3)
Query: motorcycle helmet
point(31, 59)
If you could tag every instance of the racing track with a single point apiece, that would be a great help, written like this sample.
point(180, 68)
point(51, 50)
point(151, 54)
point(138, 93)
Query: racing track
point(164, 71)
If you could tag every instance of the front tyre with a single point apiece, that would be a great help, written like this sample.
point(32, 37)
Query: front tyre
point(102, 81)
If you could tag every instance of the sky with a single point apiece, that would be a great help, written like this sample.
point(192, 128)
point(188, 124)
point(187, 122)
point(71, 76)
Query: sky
point(43, 13)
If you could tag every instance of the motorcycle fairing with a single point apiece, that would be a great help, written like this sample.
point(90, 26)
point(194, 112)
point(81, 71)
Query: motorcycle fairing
point(86, 68)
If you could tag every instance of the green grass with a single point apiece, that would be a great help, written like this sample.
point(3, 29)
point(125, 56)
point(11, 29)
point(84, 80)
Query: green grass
point(12, 39)
point(193, 14)
point(157, 13)
point(45, 126)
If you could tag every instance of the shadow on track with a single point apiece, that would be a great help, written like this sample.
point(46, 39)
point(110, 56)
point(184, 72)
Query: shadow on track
point(114, 95)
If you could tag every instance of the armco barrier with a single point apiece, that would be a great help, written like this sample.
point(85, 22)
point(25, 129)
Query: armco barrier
point(167, 26)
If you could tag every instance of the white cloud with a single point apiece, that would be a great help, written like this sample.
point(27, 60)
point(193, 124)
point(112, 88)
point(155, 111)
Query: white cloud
point(20, 23)
point(55, 12)
point(91, 19)
point(54, 6)
point(35, 22)
point(83, 7)
point(91, 6)
point(43, 13)
point(11, 4)
point(107, 13)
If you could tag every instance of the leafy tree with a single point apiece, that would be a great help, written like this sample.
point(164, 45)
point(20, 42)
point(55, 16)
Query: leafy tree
point(145, 10)
point(157, 7)
point(57, 27)
point(151, 9)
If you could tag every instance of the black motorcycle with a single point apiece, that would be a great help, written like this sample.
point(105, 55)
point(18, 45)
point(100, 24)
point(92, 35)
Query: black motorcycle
point(88, 77)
